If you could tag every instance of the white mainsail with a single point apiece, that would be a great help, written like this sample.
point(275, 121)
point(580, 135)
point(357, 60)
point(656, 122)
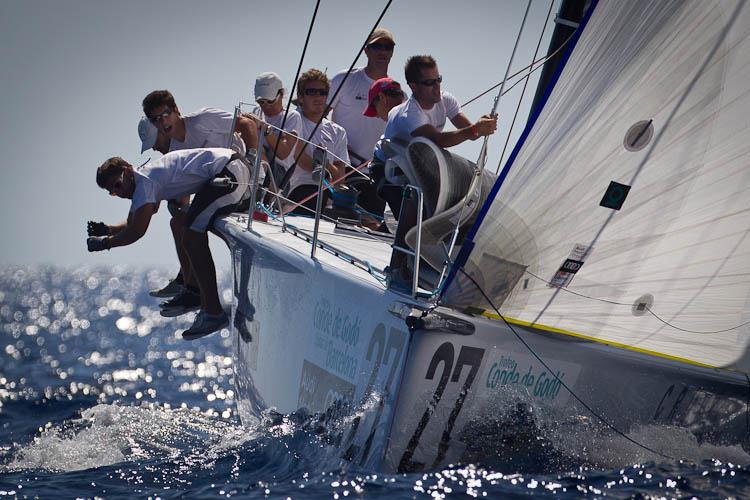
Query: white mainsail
point(677, 76)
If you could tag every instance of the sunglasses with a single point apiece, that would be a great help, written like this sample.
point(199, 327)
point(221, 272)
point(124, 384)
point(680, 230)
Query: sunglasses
point(159, 117)
point(381, 46)
point(431, 82)
point(321, 92)
point(393, 93)
point(264, 102)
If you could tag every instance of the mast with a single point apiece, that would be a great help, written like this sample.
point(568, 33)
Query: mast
point(567, 20)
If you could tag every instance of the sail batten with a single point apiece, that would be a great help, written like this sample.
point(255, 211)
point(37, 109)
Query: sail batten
point(655, 99)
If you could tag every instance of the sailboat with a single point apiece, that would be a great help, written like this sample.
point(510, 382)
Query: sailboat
point(602, 281)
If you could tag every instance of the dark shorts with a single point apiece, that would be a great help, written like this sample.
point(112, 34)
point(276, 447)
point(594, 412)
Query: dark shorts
point(212, 201)
point(369, 200)
point(390, 193)
point(300, 193)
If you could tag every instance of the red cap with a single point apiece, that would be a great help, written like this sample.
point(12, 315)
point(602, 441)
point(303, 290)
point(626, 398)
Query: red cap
point(377, 88)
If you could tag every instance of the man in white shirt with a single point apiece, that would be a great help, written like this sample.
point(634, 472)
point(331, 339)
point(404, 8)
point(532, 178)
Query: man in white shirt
point(351, 102)
point(269, 94)
point(424, 115)
point(312, 90)
point(207, 128)
point(176, 175)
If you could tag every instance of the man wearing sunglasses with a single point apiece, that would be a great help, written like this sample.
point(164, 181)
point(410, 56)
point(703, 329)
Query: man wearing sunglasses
point(312, 93)
point(207, 128)
point(175, 175)
point(269, 94)
point(424, 115)
point(351, 102)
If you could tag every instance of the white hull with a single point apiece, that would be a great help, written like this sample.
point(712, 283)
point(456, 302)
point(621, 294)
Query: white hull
point(314, 335)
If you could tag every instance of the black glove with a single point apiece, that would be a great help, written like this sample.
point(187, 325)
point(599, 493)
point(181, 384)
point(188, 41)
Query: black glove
point(98, 243)
point(97, 228)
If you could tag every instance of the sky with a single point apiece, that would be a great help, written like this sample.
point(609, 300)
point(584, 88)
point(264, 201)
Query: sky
point(75, 73)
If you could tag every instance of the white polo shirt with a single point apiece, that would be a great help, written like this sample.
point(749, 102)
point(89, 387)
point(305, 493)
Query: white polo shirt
point(362, 132)
point(409, 116)
point(328, 135)
point(177, 174)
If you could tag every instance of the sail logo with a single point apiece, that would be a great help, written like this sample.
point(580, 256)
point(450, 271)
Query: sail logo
point(615, 195)
point(570, 266)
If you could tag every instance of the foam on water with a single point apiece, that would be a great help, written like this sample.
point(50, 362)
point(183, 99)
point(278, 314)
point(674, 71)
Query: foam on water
point(607, 449)
point(108, 434)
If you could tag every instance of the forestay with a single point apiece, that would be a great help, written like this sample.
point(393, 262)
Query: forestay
point(655, 97)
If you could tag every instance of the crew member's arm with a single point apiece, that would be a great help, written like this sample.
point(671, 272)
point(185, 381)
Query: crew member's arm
point(305, 163)
point(117, 228)
point(337, 169)
point(247, 130)
point(134, 230)
point(285, 140)
point(465, 131)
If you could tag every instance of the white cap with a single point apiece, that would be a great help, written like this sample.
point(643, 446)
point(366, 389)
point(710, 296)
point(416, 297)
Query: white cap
point(267, 86)
point(147, 132)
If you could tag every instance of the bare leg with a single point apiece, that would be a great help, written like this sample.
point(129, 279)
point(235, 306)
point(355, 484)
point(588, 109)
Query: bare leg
point(204, 270)
point(177, 224)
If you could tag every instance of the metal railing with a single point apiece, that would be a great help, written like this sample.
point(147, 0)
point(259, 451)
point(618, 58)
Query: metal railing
point(417, 252)
point(320, 160)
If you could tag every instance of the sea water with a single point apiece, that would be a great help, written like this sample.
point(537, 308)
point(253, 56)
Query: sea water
point(101, 397)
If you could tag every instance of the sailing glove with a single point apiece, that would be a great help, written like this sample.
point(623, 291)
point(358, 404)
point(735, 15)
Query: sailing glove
point(97, 228)
point(98, 243)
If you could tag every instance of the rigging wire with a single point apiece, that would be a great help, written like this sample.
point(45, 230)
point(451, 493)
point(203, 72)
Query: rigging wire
point(577, 398)
point(285, 180)
point(608, 301)
point(294, 82)
point(525, 84)
point(542, 61)
point(483, 151)
point(476, 183)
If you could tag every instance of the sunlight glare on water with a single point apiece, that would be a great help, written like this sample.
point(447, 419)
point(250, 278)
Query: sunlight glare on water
point(100, 396)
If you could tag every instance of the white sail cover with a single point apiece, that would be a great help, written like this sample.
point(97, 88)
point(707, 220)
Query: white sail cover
point(679, 247)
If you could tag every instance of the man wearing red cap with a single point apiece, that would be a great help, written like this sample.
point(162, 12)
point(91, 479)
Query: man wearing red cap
point(351, 102)
point(384, 95)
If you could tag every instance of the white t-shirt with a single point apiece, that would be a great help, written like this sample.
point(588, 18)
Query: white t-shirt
point(409, 116)
point(293, 125)
point(208, 128)
point(328, 135)
point(177, 174)
point(362, 132)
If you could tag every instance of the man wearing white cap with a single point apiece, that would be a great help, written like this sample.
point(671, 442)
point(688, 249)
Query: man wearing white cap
point(269, 94)
point(351, 102)
point(151, 137)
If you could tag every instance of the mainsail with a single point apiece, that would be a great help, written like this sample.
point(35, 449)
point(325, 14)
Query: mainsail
point(625, 215)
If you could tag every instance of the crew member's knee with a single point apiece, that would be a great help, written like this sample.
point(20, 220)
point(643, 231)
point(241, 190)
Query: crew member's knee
point(194, 239)
point(177, 224)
